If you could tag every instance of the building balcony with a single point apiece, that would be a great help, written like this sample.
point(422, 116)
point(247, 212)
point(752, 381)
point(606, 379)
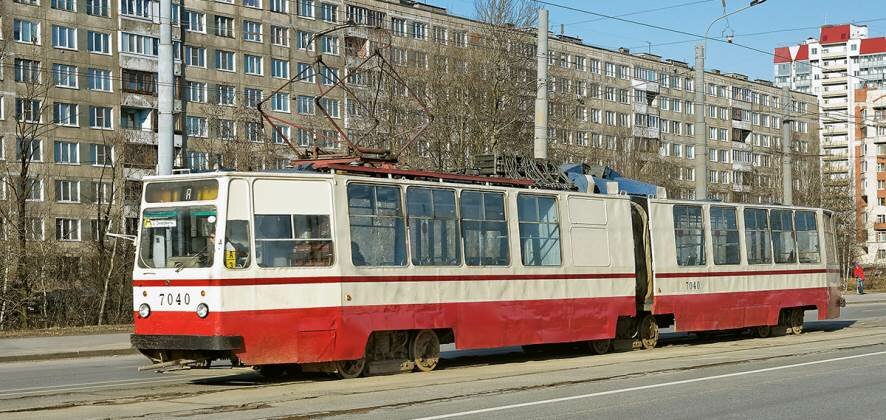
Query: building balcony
point(831, 66)
point(834, 104)
point(742, 167)
point(742, 125)
point(641, 108)
point(835, 156)
point(833, 93)
point(834, 80)
point(834, 129)
point(741, 188)
point(879, 226)
point(644, 85)
point(646, 132)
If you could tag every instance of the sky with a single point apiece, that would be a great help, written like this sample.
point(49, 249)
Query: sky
point(774, 23)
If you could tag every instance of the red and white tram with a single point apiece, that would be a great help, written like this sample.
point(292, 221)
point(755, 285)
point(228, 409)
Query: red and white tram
point(358, 273)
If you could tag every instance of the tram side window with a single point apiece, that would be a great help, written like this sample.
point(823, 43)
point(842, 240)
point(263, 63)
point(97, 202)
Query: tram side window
point(807, 237)
point(756, 233)
point(293, 240)
point(539, 230)
point(433, 226)
point(484, 229)
point(829, 246)
point(378, 231)
point(236, 246)
point(724, 236)
point(783, 245)
point(689, 235)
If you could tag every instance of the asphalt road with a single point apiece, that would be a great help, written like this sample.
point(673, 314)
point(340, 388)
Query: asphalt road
point(497, 380)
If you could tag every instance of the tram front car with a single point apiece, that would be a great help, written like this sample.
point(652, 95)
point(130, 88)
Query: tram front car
point(188, 238)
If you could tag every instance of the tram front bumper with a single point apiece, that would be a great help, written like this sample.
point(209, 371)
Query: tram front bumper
point(186, 342)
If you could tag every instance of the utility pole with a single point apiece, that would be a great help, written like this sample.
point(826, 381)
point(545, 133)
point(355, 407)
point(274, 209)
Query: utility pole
point(787, 177)
point(701, 156)
point(165, 91)
point(541, 93)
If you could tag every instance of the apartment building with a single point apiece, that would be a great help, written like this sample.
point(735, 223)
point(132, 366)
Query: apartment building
point(870, 171)
point(842, 59)
point(99, 61)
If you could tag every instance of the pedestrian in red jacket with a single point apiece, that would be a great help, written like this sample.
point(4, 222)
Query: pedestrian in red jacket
point(858, 273)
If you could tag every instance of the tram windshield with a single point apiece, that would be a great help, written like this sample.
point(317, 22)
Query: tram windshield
point(177, 237)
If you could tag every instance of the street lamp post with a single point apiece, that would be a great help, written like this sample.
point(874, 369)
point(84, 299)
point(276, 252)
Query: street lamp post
point(701, 156)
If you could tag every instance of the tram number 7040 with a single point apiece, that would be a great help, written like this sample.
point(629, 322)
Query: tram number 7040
point(175, 299)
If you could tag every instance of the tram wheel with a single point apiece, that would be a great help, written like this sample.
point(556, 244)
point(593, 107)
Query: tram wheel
point(424, 349)
point(796, 321)
point(600, 346)
point(649, 332)
point(762, 331)
point(350, 369)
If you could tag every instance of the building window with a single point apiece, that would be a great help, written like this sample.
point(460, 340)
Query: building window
point(97, 8)
point(253, 131)
point(419, 30)
point(398, 26)
point(198, 161)
point(64, 75)
point(27, 70)
point(196, 126)
point(100, 117)
point(27, 110)
point(227, 129)
point(67, 152)
point(224, 60)
point(67, 191)
point(66, 5)
point(226, 94)
point(280, 102)
point(65, 114)
point(305, 72)
point(196, 92)
point(26, 31)
point(305, 105)
point(279, 68)
point(280, 36)
point(329, 76)
point(67, 229)
point(331, 107)
point(137, 8)
point(252, 31)
point(252, 64)
point(195, 56)
point(279, 6)
point(304, 40)
point(280, 134)
point(251, 97)
point(101, 154)
point(139, 44)
point(99, 80)
point(306, 8)
point(64, 37)
point(33, 150)
point(328, 12)
point(329, 45)
point(224, 27)
point(194, 21)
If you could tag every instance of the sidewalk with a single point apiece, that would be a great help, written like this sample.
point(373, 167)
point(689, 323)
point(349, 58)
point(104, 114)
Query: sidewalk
point(46, 348)
point(868, 297)
point(60, 347)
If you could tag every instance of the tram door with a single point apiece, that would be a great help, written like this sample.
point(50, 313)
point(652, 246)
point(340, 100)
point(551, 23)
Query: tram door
point(642, 250)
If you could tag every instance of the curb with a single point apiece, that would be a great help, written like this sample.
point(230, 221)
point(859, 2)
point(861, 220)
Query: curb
point(67, 355)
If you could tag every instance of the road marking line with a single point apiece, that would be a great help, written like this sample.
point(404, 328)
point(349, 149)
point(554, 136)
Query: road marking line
point(640, 388)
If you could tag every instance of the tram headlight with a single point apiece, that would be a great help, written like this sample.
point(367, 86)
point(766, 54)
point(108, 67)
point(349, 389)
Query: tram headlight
point(144, 310)
point(202, 310)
